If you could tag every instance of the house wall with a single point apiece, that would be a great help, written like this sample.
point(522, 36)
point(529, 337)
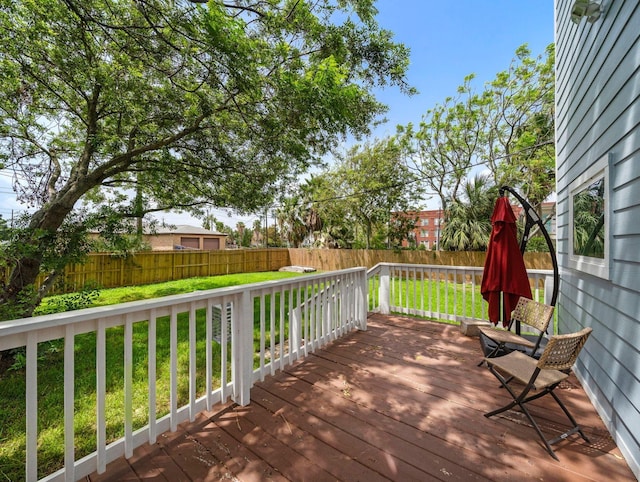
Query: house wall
point(598, 117)
point(160, 242)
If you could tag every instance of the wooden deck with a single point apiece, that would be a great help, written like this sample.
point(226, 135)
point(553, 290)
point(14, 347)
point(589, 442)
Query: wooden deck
point(402, 401)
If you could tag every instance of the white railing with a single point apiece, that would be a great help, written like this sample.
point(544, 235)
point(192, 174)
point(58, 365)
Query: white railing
point(207, 347)
point(441, 292)
point(177, 358)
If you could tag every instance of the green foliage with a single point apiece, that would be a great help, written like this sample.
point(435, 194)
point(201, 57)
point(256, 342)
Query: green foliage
point(588, 220)
point(68, 302)
point(444, 146)
point(401, 226)
point(537, 245)
point(183, 104)
point(508, 128)
point(468, 219)
point(291, 216)
point(349, 205)
point(376, 183)
point(519, 111)
point(17, 307)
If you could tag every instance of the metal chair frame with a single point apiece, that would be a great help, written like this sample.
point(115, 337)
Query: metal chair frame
point(543, 376)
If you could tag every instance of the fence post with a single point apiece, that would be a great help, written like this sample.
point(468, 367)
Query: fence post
point(242, 349)
point(384, 292)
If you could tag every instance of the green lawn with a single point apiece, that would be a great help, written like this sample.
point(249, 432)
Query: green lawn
point(461, 299)
point(50, 381)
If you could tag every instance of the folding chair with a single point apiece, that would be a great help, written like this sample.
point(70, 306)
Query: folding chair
point(542, 375)
point(531, 313)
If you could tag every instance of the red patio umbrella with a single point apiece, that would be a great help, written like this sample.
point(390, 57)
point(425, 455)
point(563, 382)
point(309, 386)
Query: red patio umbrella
point(504, 270)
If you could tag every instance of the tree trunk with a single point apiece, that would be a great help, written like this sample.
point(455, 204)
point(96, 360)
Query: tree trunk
point(20, 292)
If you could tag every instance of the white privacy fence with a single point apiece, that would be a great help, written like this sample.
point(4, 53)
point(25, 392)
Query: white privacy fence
point(159, 362)
point(441, 292)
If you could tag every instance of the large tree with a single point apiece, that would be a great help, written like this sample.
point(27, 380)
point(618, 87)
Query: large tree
point(444, 146)
point(375, 183)
point(508, 128)
point(154, 104)
point(518, 112)
point(291, 216)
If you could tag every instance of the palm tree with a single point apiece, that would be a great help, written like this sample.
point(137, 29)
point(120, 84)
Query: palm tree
point(468, 218)
point(291, 220)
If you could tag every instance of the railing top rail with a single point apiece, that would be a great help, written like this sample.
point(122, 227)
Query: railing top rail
point(434, 267)
point(25, 325)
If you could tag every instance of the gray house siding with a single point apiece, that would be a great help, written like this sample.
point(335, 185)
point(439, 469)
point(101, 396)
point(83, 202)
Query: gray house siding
point(598, 117)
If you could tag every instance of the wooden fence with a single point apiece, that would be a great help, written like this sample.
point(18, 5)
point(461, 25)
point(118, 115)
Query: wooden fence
point(108, 271)
point(336, 259)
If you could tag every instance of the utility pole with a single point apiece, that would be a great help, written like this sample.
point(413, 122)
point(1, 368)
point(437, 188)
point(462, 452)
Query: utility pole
point(266, 228)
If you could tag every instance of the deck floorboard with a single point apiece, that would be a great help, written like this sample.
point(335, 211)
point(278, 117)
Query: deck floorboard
point(401, 401)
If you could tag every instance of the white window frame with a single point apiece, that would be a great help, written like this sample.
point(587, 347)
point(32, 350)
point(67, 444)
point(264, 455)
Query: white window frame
point(588, 264)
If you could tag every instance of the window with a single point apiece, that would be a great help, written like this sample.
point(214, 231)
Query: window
point(424, 222)
point(589, 219)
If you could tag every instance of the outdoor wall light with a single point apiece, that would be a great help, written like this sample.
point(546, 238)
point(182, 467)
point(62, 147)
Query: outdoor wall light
point(591, 9)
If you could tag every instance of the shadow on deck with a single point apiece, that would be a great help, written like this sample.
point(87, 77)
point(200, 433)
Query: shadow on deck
point(402, 401)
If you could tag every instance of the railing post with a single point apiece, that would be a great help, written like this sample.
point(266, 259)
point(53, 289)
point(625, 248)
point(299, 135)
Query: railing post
point(384, 292)
point(361, 297)
point(295, 333)
point(242, 349)
point(548, 294)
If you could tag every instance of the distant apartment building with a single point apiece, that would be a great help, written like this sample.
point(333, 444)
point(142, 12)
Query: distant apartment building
point(430, 223)
point(427, 231)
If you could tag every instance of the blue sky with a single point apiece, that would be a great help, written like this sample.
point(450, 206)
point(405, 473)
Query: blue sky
point(449, 39)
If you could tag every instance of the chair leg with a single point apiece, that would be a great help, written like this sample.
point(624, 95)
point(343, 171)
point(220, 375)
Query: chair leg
point(575, 429)
point(505, 384)
point(522, 399)
point(518, 401)
point(547, 443)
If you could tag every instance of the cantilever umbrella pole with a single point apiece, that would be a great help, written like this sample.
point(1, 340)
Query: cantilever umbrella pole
point(532, 218)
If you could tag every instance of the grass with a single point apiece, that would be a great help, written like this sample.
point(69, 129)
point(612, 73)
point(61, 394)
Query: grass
point(114, 296)
point(50, 375)
point(460, 299)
